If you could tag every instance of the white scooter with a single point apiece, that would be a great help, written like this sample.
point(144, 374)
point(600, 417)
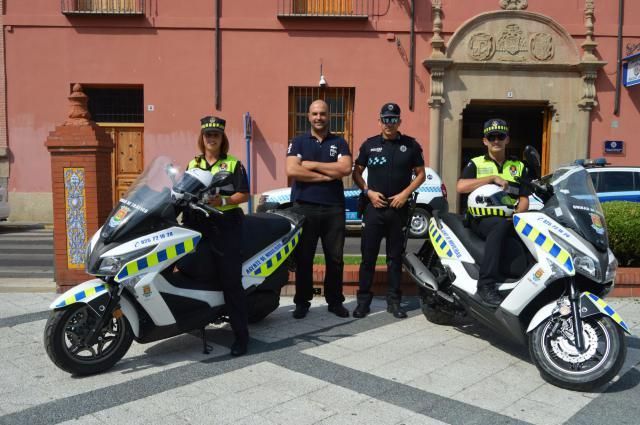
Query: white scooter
point(140, 294)
point(553, 300)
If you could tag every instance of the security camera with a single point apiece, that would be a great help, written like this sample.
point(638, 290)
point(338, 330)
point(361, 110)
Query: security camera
point(323, 82)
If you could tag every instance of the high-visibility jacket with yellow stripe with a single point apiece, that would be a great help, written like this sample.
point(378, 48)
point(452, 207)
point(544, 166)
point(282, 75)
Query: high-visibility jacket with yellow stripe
point(511, 168)
point(227, 164)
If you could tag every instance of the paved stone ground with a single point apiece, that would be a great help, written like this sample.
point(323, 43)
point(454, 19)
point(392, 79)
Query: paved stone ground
point(320, 370)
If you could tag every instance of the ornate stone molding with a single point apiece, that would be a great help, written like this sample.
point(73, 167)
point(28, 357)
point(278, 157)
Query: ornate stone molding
point(512, 44)
point(513, 4)
point(589, 45)
point(437, 42)
point(78, 111)
point(588, 100)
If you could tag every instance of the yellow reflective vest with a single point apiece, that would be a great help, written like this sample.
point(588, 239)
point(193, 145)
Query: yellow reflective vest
point(227, 164)
point(511, 168)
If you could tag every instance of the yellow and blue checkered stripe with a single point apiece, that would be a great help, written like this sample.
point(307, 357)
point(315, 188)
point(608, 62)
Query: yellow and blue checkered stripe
point(134, 267)
point(485, 211)
point(273, 262)
point(607, 310)
point(439, 243)
point(81, 295)
point(545, 242)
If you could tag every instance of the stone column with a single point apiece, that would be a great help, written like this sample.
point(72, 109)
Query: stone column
point(437, 63)
point(81, 185)
point(589, 67)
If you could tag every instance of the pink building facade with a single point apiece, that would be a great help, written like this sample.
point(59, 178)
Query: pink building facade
point(549, 67)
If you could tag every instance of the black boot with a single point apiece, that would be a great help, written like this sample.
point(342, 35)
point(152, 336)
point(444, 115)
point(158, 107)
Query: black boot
point(362, 309)
point(239, 347)
point(489, 295)
point(397, 311)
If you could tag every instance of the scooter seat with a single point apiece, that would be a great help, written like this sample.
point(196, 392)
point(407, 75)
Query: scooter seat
point(472, 242)
point(260, 230)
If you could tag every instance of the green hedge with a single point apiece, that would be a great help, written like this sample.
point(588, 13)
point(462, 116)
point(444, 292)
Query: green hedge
point(623, 223)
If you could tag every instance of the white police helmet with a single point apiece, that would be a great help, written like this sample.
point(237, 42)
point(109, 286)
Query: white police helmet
point(193, 181)
point(490, 200)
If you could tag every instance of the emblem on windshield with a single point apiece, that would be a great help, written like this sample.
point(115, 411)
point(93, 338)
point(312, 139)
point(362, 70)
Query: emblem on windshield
point(119, 216)
point(596, 223)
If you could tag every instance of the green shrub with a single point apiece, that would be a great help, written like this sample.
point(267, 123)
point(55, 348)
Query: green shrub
point(623, 223)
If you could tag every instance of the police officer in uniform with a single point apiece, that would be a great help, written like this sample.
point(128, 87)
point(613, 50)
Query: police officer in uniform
point(225, 237)
point(493, 168)
point(392, 159)
point(317, 161)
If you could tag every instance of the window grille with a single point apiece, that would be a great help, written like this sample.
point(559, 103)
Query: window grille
point(102, 7)
point(354, 9)
point(116, 105)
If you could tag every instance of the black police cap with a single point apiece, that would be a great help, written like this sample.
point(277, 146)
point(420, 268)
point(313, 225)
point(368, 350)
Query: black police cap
point(210, 124)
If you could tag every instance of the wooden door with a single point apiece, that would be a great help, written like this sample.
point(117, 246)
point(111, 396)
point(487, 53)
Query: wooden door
point(546, 137)
point(127, 161)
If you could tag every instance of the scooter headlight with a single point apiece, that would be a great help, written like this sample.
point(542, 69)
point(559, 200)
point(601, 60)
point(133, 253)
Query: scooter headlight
point(587, 266)
point(583, 263)
point(612, 267)
point(109, 266)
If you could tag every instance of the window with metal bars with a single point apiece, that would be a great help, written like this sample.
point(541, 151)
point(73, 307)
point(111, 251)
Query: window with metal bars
point(340, 101)
point(116, 105)
point(102, 7)
point(354, 9)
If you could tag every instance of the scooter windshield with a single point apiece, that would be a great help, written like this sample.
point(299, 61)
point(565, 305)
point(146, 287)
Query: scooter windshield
point(578, 207)
point(147, 196)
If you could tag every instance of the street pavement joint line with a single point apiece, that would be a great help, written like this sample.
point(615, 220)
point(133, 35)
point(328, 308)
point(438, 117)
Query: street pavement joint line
point(8, 322)
point(78, 405)
point(401, 395)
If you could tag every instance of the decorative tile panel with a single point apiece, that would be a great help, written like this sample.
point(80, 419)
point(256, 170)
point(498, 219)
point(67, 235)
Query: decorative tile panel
point(76, 216)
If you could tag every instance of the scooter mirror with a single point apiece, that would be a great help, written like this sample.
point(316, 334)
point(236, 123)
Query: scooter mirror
point(532, 160)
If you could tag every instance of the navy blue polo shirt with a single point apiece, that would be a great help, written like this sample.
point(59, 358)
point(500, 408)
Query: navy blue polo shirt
point(390, 163)
point(308, 148)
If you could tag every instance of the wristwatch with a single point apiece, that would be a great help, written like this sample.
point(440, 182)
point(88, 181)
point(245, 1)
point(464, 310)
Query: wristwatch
point(366, 192)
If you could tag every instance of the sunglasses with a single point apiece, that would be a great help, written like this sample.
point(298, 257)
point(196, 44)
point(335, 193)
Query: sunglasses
point(390, 120)
point(494, 137)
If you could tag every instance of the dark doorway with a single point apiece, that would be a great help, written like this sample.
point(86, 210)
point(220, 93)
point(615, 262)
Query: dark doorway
point(528, 125)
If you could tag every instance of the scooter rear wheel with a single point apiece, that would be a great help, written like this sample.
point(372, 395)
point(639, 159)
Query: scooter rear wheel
point(552, 349)
point(65, 333)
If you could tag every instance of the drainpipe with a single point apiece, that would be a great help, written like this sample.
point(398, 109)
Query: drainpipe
point(412, 55)
point(218, 40)
point(616, 101)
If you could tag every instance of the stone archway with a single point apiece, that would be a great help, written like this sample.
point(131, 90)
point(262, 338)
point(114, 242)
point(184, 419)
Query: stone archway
point(509, 56)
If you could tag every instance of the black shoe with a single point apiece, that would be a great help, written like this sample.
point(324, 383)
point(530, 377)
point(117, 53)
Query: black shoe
point(489, 295)
point(397, 311)
point(361, 311)
point(239, 348)
point(339, 310)
point(301, 311)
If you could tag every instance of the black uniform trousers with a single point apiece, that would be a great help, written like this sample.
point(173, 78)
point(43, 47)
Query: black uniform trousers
point(225, 237)
point(495, 231)
point(381, 223)
point(324, 222)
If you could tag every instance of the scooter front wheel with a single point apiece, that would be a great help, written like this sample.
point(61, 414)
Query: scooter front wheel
point(554, 353)
point(65, 335)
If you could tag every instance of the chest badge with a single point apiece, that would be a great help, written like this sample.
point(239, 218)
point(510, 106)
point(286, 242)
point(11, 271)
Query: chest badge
point(403, 148)
point(513, 170)
point(223, 166)
point(333, 150)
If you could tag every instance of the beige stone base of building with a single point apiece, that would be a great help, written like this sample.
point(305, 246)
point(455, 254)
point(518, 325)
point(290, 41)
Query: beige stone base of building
point(31, 206)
